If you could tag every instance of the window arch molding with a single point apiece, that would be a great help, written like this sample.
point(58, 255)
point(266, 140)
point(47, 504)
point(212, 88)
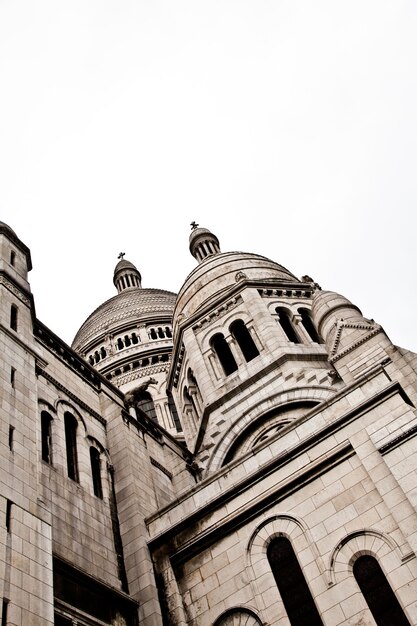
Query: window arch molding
point(222, 324)
point(63, 406)
point(286, 318)
point(226, 358)
point(356, 544)
point(276, 418)
point(72, 456)
point(47, 417)
point(145, 404)
point(273, 402)
point(389, 556)
point(243, 336)
point(98, 470)
point(308, 324)
point(238, 616)
point(257, 565)
point(44, 405)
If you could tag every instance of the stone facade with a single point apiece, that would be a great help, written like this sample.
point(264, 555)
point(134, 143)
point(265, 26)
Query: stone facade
point(244, 453)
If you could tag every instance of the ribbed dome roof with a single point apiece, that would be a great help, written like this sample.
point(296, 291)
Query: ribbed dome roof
point(130, 306)
point(123, 265)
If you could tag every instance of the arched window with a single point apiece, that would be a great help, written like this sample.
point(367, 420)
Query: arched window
point(12, 257)
point(173, 411)
point(46, 440)
point(96, 472)
point(309, 326)
point(295, 594)
point(238, 617)
point(244, 339)
point(383, 604)
point(13, 317)
point(286, 325)
point(145, 404)
point(189, 408)
point(120, 344)
point(224, 353)
point(71, 446)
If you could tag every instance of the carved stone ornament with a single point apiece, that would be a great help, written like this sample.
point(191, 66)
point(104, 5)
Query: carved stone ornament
point(131, 396)
point(240, 276)
point(16, 292)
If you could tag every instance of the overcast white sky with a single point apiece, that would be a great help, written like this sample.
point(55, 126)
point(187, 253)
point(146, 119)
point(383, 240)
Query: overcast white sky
point(288, 128)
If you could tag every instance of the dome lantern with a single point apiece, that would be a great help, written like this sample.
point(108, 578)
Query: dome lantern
point(203, 243)
point(126, 275)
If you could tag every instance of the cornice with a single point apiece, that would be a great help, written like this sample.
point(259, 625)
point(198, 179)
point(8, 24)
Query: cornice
point(205, 313)
point(245, 384)
point(372, 330)
point(11, 235)
point(41, 372)
point(21, 294)
point(71, 359)
point(14, 336)
point(254, 508)
point(398, 440)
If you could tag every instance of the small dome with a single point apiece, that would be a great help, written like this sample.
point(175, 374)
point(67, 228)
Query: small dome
point(124, 264)
point(126, 276)
point(203, 243)
point(130, 307)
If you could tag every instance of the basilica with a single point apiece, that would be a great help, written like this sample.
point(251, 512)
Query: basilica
point(242, 453)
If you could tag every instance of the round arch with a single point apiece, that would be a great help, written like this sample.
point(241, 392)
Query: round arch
point(356, 544)
point(313, 395)
point(239, 616)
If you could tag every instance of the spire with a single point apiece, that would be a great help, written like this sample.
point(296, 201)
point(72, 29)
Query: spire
point(203, 243)
point(126, 275)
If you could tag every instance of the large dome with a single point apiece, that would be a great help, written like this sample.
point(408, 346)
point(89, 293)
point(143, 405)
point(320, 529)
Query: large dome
point(219, 273)
point(129, 307)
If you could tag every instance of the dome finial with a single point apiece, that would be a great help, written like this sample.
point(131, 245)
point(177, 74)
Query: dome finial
point(203, 243)
point(126, 275)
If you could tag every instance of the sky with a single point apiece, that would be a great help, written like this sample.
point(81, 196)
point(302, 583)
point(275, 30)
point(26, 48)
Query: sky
point(286, 127)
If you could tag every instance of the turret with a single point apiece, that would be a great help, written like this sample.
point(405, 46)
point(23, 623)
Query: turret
point(203, 243)
point(354, 343)
point(16, 300)
point(126, 275)
point(242, 331)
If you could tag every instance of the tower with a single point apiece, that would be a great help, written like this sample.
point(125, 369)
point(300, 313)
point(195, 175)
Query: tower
point(128, 339)
point(243, 337)
point(300, 415)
